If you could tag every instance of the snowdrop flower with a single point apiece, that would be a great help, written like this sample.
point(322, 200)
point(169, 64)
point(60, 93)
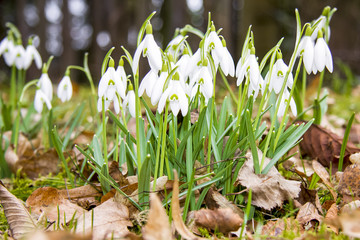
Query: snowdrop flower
point(283, 101)
point(45, 85)
point(278, 76)
point(322, 55)
point(40, 99)
point(159, 86)
point(64, 90)
point(19, 53)
point(202, 81)
point(110, 83)
point(9, 53)
point(175, 94)
point(150, 49)
point(320, 27)
point(129, 100)
point(31, 53)
point(306, 48)
point(174, 44)
point(250, 69)
point(148, 83)
point(120, 72)
point(225, 60)
point(183, 62)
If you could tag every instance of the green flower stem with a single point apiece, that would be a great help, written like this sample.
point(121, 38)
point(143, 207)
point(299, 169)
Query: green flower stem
point(17, 127)
point(13, 87)
point(228, 87)
point(321, 79)
point(163, 141)
point(303, 86)
point(21, 80)
point(104, 133)
point(282, 124)
point(137, 116)
point(45, 139)
point(242, 96)
point(211, 123)
point(174, 133)
point(291, 65)
point(157, 157)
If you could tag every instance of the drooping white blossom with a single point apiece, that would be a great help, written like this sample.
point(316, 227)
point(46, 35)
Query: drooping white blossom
point(40, 99)
point(176, 96)
point(45, 85)
point(129, 101)
point(322, 56)
point(65, 90)
point(149, 48)
point(30, 54)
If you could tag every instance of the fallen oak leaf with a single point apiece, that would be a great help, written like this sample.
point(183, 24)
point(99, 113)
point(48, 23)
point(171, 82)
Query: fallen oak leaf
point(19, 219)
point(268, 190)
point(176, 212)
point(223, 220)
point(324, 145)
point(308, 213)
point(53, 203)
point(157, 226)
point(332, 213)
point(109, 219)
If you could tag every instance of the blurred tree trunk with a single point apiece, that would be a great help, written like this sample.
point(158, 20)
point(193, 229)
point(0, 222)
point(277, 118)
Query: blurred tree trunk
point(41, 29)
point(68, 56)
point(97, 19)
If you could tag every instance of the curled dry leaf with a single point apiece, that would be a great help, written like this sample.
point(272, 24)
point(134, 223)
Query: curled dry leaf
point(308, 195)
point(331, 214)
point(308, 213)
point(157, 226)
point(215, 200)
point(107, 220)
point(270, 190)
point(349, 184)
point(224, 220)
point(355, 158)
point(324, 176)
point(52, 201)
point(176, 212)
point(324, 145)
point(19, 219)
point(32, 162)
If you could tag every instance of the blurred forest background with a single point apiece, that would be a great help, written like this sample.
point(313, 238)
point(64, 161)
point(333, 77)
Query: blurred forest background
point(69, 28)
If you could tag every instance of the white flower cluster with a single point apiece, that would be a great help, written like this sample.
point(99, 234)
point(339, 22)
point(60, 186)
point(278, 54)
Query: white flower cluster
point(15, 54)
point(316, 53)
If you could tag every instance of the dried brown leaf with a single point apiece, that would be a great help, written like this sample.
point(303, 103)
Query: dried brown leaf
point(224, 220)
point(309, 195)
point(332, 213)
point(215, 200)
point(270, 190)
point(157, 226)
point(307, 213)
point(176, 212)
point(324, 176)
point(324, 145)
point(19, 219)
point(275, 228)
point(300, 166)
point(350, 223)
point(350, 182)
point(109, 219)
point(54, 203)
